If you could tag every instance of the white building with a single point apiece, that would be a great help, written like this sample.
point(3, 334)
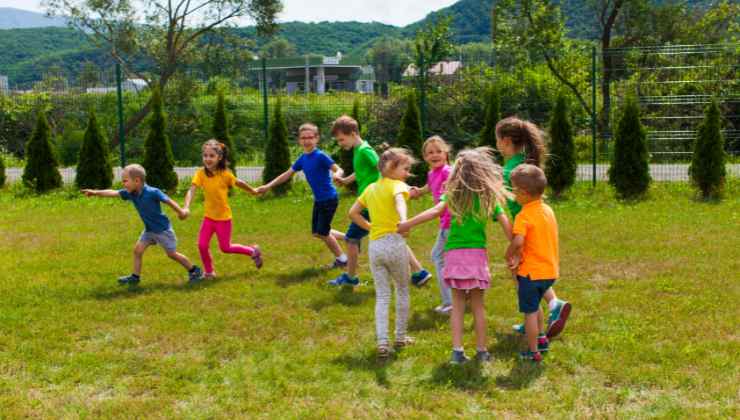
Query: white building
point(4, 85)
point(443, 68)
point(128, 85)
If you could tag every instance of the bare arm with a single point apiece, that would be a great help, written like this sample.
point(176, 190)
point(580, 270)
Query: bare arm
point(101, 193)
point(425, 216)
point(246, 187)
point(347, 180)
point(401, 207)
point(416, 192)
point(277, 181)
point(355, 214)
point(505, 225)
point(181, 213)
point(514, 252)
point(337, 173)
point(189, 197)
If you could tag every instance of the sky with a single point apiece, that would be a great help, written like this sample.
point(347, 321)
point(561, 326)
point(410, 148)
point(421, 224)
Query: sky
point(394, 12)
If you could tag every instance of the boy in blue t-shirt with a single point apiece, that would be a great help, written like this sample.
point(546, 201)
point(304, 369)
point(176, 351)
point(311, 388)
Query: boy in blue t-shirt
point(318, 167)
point(157, 227)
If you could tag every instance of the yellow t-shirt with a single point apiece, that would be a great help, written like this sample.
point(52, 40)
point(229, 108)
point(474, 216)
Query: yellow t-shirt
point(216, 191)
point(540, 256)
point(379, 198)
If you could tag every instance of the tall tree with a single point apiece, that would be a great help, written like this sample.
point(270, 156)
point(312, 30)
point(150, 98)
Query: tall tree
point(42, 169)
point(158, 160)
point(163, 32)
point(221, 130)
point(707, 168)
point(561, 163)
point(410, 137)
point(2, 171)
point(278, 48)
point(277, 154)
point(94, 169)
point(89, 75)
point(491, 118)
point(388, 56)
point(629, 172)
point(431, 45)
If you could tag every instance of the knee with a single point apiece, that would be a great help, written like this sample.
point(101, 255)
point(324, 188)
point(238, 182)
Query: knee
point(138, 251)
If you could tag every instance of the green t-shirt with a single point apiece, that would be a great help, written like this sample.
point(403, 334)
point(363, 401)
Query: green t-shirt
point(365, 162)
point(509, 166)
point(471, 233)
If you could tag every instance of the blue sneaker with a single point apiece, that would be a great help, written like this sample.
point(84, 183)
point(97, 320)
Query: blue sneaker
point(130, 280)
point(458, 358)
point(518, 328)
point(195, 276)
point(345, 280)
point(557, 318)
point(531, 356)
point(420, 278)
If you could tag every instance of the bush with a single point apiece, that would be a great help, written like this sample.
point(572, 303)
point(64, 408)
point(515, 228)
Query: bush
point(491, 118)
point(221, 131)
point(629, 172)
point(346, 156)
point(410, 138)
point(707, 170)
point(158, 160)
point(561, 165)
point(2, 171)
point(42, 169)
point(277, 154)
point(94, 170)
point(68, 148)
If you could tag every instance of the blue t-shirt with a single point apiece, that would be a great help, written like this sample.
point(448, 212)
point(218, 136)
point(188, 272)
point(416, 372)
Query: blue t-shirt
point(317, 168)
point(147, 204)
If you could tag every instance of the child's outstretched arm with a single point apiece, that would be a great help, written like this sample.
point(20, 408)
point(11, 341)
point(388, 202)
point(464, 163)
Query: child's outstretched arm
point(246, 187)
point(182, 214)
point(423, 217)
point(346, 180)
point(355, 214)
point(337, 173)
point(505, 225)
point(280, 179)
point(189, 198)
point(416, 192)
point(514, 252)
point(101, 193)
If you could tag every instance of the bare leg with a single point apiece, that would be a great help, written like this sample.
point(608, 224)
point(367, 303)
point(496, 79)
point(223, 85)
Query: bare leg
point(550, 295)
point(531, 328)
point(139, 249)
point(479, 316)
point(337, 234)
point(183, 260)
point(332, 244)
point(353, 254)
point(456, 318)
point(415, 264)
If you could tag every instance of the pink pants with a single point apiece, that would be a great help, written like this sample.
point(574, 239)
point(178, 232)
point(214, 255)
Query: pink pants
point(222, 229)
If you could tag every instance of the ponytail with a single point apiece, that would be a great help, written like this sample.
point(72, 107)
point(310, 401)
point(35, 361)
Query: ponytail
point(524, 134)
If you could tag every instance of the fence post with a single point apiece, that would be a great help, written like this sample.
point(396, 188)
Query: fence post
point(265, 120)
point(593, 116)
point(121, 129)
point(422, 95)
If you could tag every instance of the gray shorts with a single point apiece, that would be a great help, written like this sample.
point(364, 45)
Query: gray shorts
point(165, 239)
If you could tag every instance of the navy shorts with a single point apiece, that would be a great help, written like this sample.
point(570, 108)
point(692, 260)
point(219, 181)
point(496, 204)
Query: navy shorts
point(355, 233)
point(530, 293)
point(323, 213)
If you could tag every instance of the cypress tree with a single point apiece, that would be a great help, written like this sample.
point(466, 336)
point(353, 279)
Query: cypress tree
point(707, 170)
point(94, 170)
point(158, 160)
point(42, 169)
point(410, 137)
point(346, 156)
point(277, 154)
point(491, 118)
point(2, 171)
point(221, 130)
point(629, 172)
point(561, 166)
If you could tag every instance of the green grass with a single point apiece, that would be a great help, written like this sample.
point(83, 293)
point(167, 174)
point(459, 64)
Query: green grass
point(653, 332)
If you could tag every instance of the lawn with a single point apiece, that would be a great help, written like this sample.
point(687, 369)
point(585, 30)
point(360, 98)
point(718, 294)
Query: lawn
point(655, 288)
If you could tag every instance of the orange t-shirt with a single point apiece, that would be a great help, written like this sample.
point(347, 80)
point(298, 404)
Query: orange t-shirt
point(216, 191)
point(540, 256)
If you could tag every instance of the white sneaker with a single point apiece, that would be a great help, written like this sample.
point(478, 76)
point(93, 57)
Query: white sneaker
point(443, 309)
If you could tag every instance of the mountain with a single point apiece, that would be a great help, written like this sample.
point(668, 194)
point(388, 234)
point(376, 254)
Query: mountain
point(11, 18)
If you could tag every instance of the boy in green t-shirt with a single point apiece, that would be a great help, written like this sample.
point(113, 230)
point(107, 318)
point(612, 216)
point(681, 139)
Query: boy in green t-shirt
point(365, 161)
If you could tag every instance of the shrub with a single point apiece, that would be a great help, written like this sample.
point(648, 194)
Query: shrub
point(707, 170)
point(42, 169)
point(410, 138)
point(561, 165)
point(629, 172)
point(277, 154)
point(221, 131)
point(492, 116)
point(158, 160)
point(94, 169)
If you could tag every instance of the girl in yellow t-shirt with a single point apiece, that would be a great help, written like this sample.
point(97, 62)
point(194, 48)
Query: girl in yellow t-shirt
point(389, 255)
point(215, 179)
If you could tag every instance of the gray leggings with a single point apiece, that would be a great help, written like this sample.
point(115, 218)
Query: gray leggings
point(389, 261)
point(438, 257)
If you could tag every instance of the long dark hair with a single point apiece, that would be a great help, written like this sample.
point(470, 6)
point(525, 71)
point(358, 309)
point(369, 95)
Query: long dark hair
point(223, 153)
point(523, 133)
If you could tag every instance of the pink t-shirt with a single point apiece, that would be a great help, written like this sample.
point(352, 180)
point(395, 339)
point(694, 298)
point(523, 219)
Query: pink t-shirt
point(436, 181)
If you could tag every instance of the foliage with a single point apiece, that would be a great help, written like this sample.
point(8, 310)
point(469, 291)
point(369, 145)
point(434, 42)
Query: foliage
point(277, 154)
point(2, 171)
point(158, 159)
point(492, 115)
point(561, 164)
point(629, 172)
point(94, 170)
point(69, 145)
point(707, 170)
point(221, 131)
point(410, 137)
point(41, 172)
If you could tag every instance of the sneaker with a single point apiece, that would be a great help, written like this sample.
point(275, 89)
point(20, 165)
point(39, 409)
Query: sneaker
point(130, 280)
point(209, 276)
point(420, 278)
point(531, 356)
point(518, 328)
point(557, 318)
point(543, 344)
point(458, 358)
point(443, 309)
point(482, 356)
point(383, 352)
point(195, 276)
point(345, 280)
point(257, 257)
point(337, 264)
point(403, 342)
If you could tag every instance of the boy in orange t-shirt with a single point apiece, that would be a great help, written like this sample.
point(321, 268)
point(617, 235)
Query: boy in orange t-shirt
point(533, 254)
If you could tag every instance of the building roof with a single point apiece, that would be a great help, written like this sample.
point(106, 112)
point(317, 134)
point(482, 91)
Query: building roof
point(443, 68)
point(314, 61)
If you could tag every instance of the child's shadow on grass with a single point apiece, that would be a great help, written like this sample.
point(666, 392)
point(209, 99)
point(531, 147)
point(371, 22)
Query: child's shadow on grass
point(344, 296)
point(429, 320)
point(368, 362)
point(522, 373)
point(289, 279)
point(143, 289)
point(468, 376)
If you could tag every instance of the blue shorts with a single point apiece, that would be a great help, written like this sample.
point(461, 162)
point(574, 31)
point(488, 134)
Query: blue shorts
point(530, 293)
point(323, 213)
point(166, 239)
point(354, 232)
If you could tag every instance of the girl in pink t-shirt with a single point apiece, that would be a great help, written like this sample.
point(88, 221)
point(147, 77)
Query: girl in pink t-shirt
point(436, 153)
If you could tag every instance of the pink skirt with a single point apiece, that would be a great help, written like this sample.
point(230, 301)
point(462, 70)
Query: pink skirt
point(467, 269)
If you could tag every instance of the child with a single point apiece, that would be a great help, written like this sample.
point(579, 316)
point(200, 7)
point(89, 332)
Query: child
point(215, 180)
point(157, 227)
point(533, 254)
point(521, 142)
point(318, 167)
point(436, 153)
point(389, 256)
point(473, 193)
point(365, 162)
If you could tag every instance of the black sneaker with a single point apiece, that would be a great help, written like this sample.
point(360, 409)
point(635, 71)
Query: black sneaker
point(130, 280)
point(195, 275)
point(482, 356)
point(458, 358)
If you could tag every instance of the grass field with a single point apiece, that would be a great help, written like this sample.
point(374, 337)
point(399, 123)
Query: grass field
point(655, 288)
